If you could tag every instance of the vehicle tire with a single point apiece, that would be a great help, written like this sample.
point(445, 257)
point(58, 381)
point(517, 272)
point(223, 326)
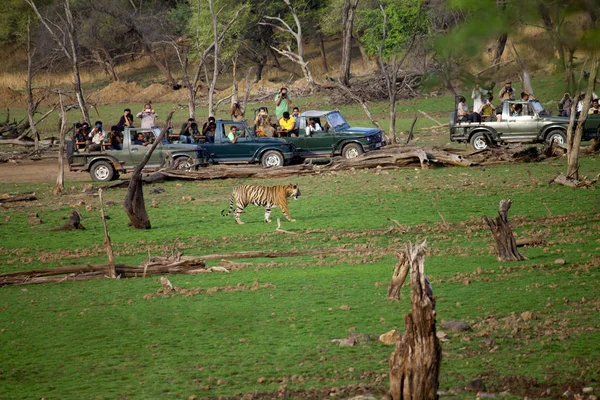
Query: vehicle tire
point(479, 141)
point(102, 171)
point(352, 150)
point(184, 164)
point(556, 136)
point(272, 158)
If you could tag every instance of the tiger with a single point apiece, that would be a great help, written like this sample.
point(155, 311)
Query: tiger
point(267, 196)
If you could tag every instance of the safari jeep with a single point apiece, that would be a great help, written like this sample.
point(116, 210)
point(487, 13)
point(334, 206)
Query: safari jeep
point(337, 137)
point(533, 125)
point(106, 165)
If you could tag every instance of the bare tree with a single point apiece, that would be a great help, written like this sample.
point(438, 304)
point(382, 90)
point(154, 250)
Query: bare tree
point(183, 48)
point(390, 72)
point(60, 180)
point(500, 43)
point(348, 21)
point(31, 106)
point(298, 56)
point(64, 34)
point(574, 138)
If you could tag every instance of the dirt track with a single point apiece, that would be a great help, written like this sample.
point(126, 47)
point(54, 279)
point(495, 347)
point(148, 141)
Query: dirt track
point(45, 170)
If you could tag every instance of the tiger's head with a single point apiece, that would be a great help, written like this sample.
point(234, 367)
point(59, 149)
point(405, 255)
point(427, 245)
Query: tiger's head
point(292, 191)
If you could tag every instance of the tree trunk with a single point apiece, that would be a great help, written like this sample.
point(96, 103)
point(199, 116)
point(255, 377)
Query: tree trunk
point(191, 101)
point(553, 32)
point(526, 76)
point(30, 103)
point(498, 48)
point(570, 71)
point(60, 180)
point(398, 276)
point(506, 245)
point(348, 21)
point(414, 366)
point(323, 53)
point(72, 31)
point(213, 83)
point(363, 53)
point(259, 69)
point(161, 67)
point(574, 140)
point(107, 243)
point(134, 199)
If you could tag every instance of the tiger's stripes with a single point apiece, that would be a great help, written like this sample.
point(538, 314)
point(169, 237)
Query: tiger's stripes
point(265, 196)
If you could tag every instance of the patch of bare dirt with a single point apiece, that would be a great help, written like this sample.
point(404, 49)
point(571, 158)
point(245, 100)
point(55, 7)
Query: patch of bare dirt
point(11, 98)
point(151, 94)
point(45, 170)
point(116, 92)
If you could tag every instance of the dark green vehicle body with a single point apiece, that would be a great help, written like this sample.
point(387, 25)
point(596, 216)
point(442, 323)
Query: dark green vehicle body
point(336, 138)
point(106, 165)
point(248, 148)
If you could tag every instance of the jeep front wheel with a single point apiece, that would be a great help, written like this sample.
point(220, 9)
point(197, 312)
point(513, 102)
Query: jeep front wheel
point(556, 136)
point(102, 171)
point(479, 141)
point(272, 158)
point(184, 164)
point(352, 150)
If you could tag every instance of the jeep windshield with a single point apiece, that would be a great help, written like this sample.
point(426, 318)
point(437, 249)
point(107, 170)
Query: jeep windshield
point(538, 108)
point(337, 121)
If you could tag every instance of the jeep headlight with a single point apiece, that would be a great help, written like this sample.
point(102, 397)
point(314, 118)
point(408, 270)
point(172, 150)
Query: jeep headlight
point(370, 138)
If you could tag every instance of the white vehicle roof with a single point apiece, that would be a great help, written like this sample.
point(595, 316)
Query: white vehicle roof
point(314, 113)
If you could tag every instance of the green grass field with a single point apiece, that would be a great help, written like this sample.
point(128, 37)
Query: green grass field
point(108, 339)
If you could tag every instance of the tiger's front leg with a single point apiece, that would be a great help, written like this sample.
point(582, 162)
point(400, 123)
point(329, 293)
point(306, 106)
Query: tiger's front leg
point(287, 214)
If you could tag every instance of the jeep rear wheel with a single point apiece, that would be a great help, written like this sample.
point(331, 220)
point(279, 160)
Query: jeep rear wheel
point(272, 158)
point(102, 171)
point(479, 141)
point(352, 150)
point(556, 136)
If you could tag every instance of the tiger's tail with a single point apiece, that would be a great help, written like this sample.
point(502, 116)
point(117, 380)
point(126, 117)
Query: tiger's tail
point(231, 201)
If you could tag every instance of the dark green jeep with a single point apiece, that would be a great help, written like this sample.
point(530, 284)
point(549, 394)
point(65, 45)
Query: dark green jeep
point(331, 135)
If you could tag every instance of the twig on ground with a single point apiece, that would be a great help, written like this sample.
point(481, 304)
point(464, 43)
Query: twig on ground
point(283, 230)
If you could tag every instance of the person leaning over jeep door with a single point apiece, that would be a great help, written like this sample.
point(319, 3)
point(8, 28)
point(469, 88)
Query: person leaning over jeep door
point(126, 120)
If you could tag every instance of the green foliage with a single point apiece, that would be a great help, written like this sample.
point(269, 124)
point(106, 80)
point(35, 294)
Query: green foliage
point(404, 20)
point(13, 20)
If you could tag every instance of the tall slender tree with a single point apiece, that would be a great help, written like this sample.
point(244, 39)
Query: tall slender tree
point(64, 34)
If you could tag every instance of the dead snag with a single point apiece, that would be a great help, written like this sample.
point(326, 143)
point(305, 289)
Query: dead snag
point(398, 276)
point(73, 224)
point(506, 245)
point(415, 363)
point(134, 199)
point(107, 244)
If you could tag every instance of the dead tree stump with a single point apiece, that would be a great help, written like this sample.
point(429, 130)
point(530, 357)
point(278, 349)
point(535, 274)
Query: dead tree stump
point(415, 363)
point(506, 245)
point(398, 276)
point(74, 223)
point(134, 199)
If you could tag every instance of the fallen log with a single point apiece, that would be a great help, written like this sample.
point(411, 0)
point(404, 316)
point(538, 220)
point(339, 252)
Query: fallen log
point(19, 197)
point(565, 180)
point(79, 272)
